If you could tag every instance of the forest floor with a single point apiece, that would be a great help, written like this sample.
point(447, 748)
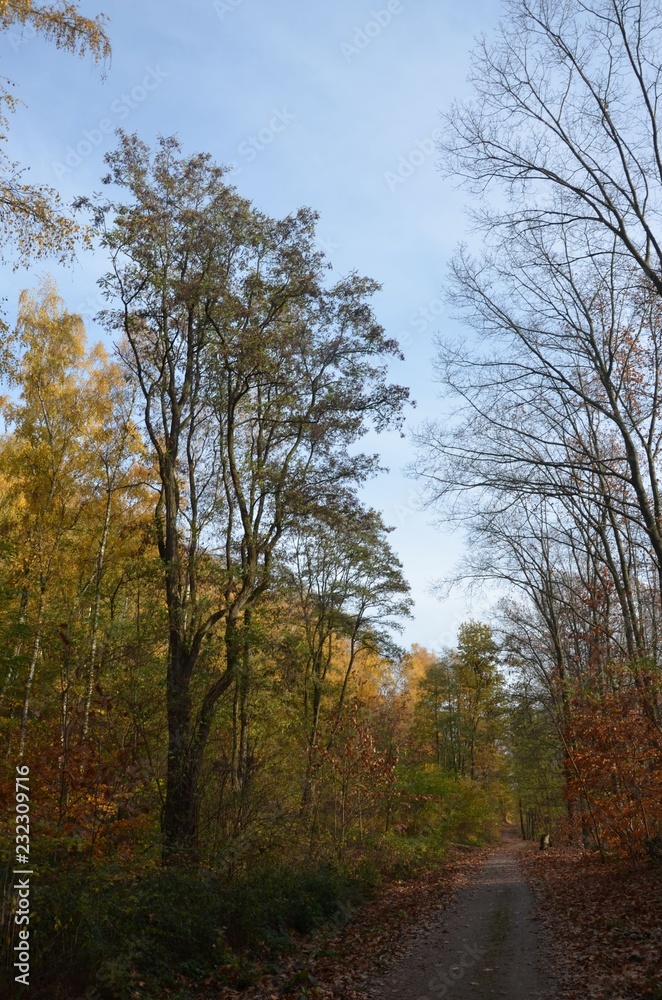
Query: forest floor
point(507, 921)
point(603, 922)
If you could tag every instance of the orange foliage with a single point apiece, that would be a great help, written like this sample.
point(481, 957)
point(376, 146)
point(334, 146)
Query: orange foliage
point(89, 800)
point(616, 756)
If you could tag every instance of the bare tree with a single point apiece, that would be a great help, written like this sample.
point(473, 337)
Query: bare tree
point(552, 457)
point(564, 121)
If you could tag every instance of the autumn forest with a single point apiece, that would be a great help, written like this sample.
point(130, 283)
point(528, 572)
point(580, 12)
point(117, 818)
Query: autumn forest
point(224, 749)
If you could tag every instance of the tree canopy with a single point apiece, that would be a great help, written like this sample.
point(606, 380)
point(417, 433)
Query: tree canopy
point(31, 217)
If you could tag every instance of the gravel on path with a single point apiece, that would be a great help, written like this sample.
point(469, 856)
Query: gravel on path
point(487, 944)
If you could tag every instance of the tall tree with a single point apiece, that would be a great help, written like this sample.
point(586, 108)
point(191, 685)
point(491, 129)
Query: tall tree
point(255, 377)
point(71, 450)
point(44, 455)
point(460, 704)
point(553, 455)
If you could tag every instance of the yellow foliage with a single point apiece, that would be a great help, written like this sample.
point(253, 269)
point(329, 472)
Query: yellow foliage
point(30, 215)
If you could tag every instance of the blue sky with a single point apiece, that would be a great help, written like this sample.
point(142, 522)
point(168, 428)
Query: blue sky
point(331, 105)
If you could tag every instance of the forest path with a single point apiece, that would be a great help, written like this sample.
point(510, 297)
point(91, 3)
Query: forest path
point(488, 943)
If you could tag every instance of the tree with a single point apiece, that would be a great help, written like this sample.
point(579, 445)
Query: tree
point(72, 448)
point(44, 456)
point(30, 215)
point(351, 594)
point(535, 756)
point(436, 711)
point(460, 704)
point(481, 696)
point(564, 120)
point(255, 378)
point(552, 457)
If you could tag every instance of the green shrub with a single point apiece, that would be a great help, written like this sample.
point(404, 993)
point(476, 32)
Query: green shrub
point(441, 808)
point(112, 928)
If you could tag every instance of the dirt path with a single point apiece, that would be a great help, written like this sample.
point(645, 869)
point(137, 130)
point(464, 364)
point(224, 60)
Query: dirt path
point(487, 944)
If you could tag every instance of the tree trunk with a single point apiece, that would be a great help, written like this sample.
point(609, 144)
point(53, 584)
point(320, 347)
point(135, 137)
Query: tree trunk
point(242, 689)
point(95, 618)
point(179, 821)
point(36, 649)
point(319, 670)
point(18, 645)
